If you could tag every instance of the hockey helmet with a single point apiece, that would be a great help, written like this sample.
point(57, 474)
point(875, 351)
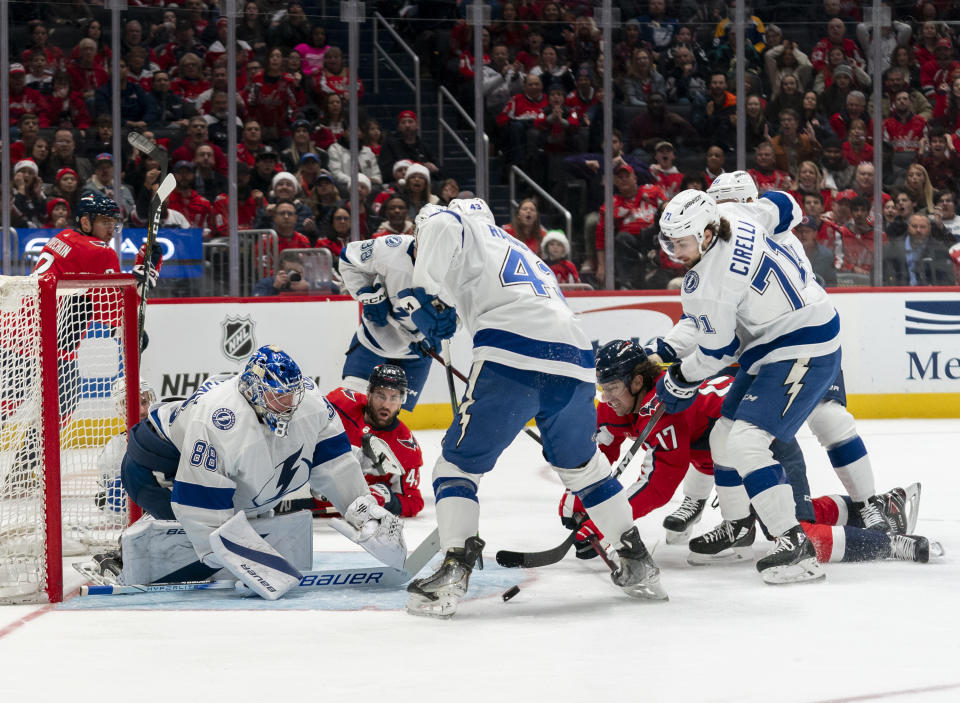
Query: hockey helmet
point(618, 360)
point(688, 214)
point(473, 207)
point(389, 376)
point(738, 186)
point(119, 394)
point(424, 214)
point(94, 204)
point(273, 385)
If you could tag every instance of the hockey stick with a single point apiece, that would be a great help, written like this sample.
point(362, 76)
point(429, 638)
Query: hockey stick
point(153, 224)
point(452, 370)
point(335, 578)
point(448, 365)
point(529, 560)
point(148, 148)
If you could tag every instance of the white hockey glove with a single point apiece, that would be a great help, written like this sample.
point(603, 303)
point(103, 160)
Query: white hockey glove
point(374, 529)
point(247, 556)
point(380, 458)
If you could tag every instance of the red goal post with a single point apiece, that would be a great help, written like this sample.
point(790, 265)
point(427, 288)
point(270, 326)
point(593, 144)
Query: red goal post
point(64, 345)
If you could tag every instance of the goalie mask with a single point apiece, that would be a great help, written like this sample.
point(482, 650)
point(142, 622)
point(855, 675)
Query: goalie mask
point(273, 385)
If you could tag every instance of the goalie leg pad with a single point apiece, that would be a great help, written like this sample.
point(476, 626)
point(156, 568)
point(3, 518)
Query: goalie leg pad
point(254, 562)
point(159, 551)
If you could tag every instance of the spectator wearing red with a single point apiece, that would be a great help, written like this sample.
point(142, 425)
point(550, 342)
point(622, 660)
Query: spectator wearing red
point(190, 83)
point(510, 30)
point(187, 201)
point(285, 225)
point(584, 95)
point(406, 144)
point(634, 210)
point(940, 71)
point(85, 75)
point(529, 56)
point(273, 98)
point(197, 134)
point(858, 252)
point(555, 252)
point(904, 129)
point(857, 149)
point(29, 127)
point(835, 38)
point(938, 156)
point(926, 44)
point(855, 109)
point(24, 100)
point(139, 71)
point(339, 232)
point(58, 214)
point(895, 79)
point(810, 180)
point(335, 77)
point(557, 124)
point(467, 61)
point(946, 111)
point(38, 38)
point(664, 170)
point(251, 142)
point(766, 175)
point(525, 225)
point(517, 118)
point(333, 121)
point(829, 232)
point(184, 42)
point(246, 205)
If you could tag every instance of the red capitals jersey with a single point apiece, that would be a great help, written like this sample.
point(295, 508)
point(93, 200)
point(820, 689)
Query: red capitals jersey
point(193, 206)
point(669, 181)
point(772, 180)
point(75, 252)
point(632, 215)
point(273, 100)
point(350, 405)
point(246, 214)
point(519, 107)
point(676, 442)
point(904, 136)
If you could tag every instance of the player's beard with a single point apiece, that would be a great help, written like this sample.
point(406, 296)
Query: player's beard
point(380, 419)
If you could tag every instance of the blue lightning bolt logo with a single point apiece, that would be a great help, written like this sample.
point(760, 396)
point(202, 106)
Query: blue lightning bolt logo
point(795, 382)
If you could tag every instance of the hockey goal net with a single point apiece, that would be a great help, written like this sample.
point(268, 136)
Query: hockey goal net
point(65, 345)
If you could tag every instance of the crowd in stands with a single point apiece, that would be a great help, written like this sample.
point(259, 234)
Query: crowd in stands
point(808, 103)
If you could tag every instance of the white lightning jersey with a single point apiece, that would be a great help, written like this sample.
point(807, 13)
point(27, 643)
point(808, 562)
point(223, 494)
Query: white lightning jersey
point(506, 297)
point(750, 299)
point(230, 461)
point(389, 262)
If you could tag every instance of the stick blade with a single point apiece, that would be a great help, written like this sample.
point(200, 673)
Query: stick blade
point(140, 142)
point(166, 187)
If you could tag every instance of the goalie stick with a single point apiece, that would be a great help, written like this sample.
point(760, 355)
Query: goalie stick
point(529, 560)
point(335, 578)
point(153, 224)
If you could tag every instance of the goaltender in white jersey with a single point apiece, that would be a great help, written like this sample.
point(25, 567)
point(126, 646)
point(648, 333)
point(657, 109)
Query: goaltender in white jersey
point(234, 449)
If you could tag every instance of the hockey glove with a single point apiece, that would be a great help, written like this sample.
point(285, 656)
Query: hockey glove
point(434, 319)
point(376, 304)
point(385, 497)
point(147, 279)
point(659, 347)
point(675, 392)
point(583, 545)
point(572, 512)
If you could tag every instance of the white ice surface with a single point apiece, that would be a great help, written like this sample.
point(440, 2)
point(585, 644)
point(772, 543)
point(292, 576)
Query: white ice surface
point(878, 631)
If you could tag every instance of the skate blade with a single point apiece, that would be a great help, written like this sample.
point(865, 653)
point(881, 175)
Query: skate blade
point(736, 555)
point(806, 571)
point(441, 607)
point(679, 537)
point(647, 591)
point(936, 549)
point(912, 506)
point(89, 570)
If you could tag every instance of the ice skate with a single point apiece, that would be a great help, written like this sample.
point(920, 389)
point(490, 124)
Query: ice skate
point(871, 512)
point(103, 569)
point(638, 576)
point(728, 543)
point(793, 560)
point(914, 548)
point(437, 596)
point(679, 524)
point(900, 508)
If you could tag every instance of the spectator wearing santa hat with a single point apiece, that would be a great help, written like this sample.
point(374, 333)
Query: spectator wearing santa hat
point(416, 189)
point(29, 202)
point(555, 252)
point(406, 143)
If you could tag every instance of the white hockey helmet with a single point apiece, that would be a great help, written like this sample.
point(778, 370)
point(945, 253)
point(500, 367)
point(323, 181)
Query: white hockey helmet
point(688, 214)
point(423, 214)
point(473, 207)
point(119, 394)
point(738, 186)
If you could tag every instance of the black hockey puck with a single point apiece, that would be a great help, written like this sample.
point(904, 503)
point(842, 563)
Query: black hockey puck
point(510, 593)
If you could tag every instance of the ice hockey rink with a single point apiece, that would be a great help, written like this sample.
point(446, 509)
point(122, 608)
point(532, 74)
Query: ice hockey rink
point(876, 631)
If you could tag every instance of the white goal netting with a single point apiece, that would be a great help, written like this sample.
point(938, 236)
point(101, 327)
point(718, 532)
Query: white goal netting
point(61, 356)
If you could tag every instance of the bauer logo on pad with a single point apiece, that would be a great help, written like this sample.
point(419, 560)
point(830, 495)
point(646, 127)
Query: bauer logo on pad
point(239, 340)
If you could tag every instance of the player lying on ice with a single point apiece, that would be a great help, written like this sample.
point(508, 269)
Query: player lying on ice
point(531, 359)
point(220, 461)
point(628, 378)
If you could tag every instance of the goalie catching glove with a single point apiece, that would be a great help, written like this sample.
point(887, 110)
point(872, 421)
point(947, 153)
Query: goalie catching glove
point(147, 276)
point(374, 529)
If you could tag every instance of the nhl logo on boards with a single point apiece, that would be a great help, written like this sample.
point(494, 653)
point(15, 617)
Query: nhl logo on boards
point(239, 341)
point(691, 281)
point(224, 418)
